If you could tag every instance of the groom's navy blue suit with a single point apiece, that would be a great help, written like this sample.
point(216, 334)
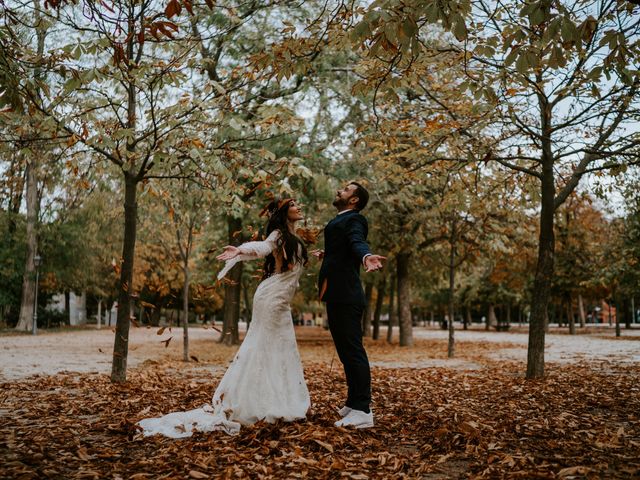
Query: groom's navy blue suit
point(345, 246)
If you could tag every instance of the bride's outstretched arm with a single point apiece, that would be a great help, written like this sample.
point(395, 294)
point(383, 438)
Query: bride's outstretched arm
point(247, 251)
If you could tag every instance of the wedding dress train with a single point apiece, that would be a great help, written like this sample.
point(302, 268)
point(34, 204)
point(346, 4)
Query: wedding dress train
point(265, 380)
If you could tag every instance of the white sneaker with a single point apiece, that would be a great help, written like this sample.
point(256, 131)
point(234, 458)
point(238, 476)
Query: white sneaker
point(357, 419)
point(344, 411)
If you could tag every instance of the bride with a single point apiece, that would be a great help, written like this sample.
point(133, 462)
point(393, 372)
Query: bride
point(265, 380)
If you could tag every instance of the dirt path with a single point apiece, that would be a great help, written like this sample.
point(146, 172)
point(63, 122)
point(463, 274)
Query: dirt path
point(90, 350)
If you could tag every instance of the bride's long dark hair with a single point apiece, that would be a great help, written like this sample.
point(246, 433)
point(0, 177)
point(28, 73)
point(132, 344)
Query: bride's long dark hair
point(288, 243)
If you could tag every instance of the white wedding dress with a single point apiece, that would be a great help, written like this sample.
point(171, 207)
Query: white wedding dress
point(265, 380)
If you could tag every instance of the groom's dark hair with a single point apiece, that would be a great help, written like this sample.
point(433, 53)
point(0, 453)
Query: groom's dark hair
point(362, 194)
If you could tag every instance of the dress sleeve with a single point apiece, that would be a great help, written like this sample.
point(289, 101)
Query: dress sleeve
point(251, 251)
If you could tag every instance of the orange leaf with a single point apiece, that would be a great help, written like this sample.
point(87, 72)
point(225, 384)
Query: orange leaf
point(173, 8)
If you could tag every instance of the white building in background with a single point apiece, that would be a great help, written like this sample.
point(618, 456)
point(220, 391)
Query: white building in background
point(77, 307)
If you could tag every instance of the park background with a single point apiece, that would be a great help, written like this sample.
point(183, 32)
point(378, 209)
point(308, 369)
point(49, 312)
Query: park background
point(499, 142)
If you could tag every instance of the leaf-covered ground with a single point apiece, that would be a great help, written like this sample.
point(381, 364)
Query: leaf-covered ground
point(581, 421)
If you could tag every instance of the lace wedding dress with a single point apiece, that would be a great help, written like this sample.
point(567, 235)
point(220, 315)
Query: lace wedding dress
point(265, 380)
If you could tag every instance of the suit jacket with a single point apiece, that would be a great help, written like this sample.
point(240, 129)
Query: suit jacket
point(345, 245)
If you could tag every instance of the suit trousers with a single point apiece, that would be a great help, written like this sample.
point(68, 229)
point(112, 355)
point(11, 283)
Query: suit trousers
point(345, 324)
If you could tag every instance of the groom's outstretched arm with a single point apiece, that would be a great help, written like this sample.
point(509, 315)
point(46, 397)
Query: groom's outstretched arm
point(357, 230)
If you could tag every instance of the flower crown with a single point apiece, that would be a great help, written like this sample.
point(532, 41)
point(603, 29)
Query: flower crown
point(274, 207)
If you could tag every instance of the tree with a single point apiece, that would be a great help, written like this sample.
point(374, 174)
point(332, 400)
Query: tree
point(120, 95)
point(583, 233)
point(566, 95)
point(23, 122)
point(618, 274)
point(560, 77)
point(381, 290)
point(186, 208)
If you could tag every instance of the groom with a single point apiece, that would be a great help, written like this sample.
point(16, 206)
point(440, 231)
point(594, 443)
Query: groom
point(346, 249)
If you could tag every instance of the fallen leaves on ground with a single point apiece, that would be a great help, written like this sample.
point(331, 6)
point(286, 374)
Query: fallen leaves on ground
point(579, 422)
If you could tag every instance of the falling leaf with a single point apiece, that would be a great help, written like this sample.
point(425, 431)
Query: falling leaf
point(166, 342)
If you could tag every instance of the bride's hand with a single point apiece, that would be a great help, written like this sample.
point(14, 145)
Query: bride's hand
point(319, 254)
point(229, 252)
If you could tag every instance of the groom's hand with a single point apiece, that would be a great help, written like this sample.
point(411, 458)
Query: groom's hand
point(373, 262)
point(319, 254)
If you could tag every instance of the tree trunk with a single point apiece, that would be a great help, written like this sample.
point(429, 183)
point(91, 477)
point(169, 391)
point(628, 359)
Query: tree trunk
point(156, 313)
point(99, 314)
point(16, 190)
point(185, 312)
point(572, 320)
point(125, 287)
point(131, 180)
point(627, 317)
point(583, 318)
point(563, 311)
point(67, 307)
point(404, 300)
point(393, 317)
point(544, 269)
point(232, 291)
point(452, 273)
point(231, 307)
point(25, 320)
point(546, 320)
point(467, 318)
point(366, 316)
point(381, 289)
point(491, 317)
point(619, 312)
point(247, 301)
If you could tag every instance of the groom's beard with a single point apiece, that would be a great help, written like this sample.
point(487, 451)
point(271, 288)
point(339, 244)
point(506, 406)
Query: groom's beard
point(340, 203)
